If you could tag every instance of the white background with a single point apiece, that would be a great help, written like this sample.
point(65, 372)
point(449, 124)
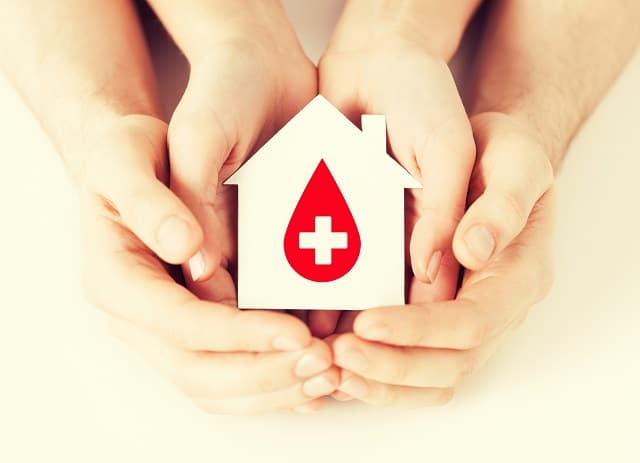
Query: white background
point(565, 388)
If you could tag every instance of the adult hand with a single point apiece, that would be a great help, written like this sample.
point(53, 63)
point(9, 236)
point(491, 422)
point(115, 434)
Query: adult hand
point(416, 355)
point(374, 66)
point(226, 360)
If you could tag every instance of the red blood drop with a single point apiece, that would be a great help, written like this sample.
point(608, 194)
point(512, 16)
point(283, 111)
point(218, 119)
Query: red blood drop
point(335, 256)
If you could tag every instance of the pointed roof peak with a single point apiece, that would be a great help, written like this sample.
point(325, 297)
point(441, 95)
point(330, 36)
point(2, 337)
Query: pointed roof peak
point(327, 119)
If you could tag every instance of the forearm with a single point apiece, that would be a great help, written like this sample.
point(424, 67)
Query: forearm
point(549, 63)
point(77, 64)
point(199, 25)
point(432, 25)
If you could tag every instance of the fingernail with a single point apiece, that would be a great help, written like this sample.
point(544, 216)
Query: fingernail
point(304, 408)
point(480, 242)
point(341, 396)
point(433, 266)
point(173, 235)
point(376, 332)
point(318, 386)
point(353, 360)
point(196, 265)
point(286, 343)
point(355, 387)
point(310, 364)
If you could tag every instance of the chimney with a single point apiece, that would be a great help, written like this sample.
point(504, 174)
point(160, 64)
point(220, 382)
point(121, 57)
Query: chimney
point(374, 128)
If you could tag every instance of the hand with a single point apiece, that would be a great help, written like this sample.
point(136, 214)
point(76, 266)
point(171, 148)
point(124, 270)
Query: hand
point(240, 92)
point(381, 71)
point(416, 355)
point(224, 359)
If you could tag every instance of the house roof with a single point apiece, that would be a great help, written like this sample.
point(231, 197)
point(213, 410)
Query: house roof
point(323, 127)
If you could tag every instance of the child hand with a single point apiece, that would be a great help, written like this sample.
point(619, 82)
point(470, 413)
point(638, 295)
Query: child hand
point(245, 83)
point(224, 359)
point(379, 70)
point(416, 355)
point(243, 87)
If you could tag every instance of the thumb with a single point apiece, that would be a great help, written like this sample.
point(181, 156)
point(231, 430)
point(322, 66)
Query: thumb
point(124, 172)
point(515, 172)
point(207, 142)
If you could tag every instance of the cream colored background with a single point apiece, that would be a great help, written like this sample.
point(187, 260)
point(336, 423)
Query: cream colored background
point(565, 388)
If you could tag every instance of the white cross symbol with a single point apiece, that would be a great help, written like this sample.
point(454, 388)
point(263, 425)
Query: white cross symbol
point(322, 240)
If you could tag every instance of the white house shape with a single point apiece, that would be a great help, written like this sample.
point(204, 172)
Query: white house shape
point(270, 185)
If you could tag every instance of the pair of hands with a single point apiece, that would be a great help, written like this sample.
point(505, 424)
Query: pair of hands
point(232, 361)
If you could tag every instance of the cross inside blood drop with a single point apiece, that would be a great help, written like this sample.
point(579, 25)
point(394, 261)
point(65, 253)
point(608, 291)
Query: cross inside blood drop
point(322, 241)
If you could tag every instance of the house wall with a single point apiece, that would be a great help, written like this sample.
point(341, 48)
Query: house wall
point(267, 281)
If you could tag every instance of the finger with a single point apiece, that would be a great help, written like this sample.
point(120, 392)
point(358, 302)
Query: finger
point(445, 156)
point(345, 324)
point(388, 395)
point(341, 396)
point(126, 281)
point(219, 288)
point(338, 85)
point(487, 303)
point(464, 323)
point(125, 170)
point(517, 173)
point(407, 366)
point(443, 288)
point(199, 144)
point(216, 374)
point(284, 399)
point(300, 314)
point(429, 133)
point(322, 323)
point(217, 122)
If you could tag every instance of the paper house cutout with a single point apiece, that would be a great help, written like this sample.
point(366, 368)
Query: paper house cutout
point(321, 216)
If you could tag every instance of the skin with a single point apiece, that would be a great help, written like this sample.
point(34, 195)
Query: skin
point(382, 58)
point(117, 148)
point(377, 62)
point(526, 104)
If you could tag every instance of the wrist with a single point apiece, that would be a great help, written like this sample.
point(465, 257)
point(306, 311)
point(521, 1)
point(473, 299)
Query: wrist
point(518, 127)
point(198, 26)
point(433, 26)
point(548, 128)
